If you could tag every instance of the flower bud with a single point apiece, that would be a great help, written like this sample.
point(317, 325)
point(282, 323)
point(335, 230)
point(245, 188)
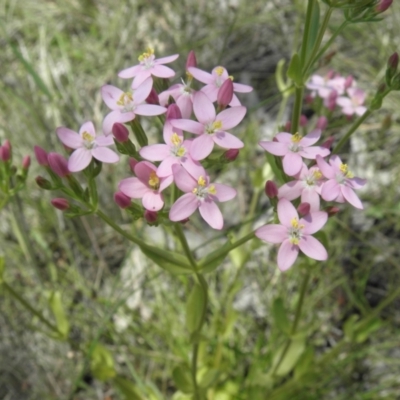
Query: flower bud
point(303, 120)
point(383, 5)
point(191, 60)
point(41, 156)
point(231, 154)
point(26, 163)
point(150, 216)
point(288, 126)
point(58, 164)
point(173, 112)
point(308, 99)
point(5, 154)
point(322, 123)
point(225, 93)
point(304, 209)
point(271, 190)
point(43, 183)
point(348, 82)
point(330, 101)
point(120, 132)
point(60, 204)
point(152, 98)
point(122, 200)
point(328, 142)
point(391, 68)
point(332, 210)
point(132, 164)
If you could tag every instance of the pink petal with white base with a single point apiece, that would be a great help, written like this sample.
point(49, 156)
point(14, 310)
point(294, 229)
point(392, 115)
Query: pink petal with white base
point(201, 147)
point(193, 167)
point(165, 168)
point(201, 76)
point(284, 137)
point(272, 233)
point(314, 221)
point(183, 179)
point(155, 152)
point(292, 163)
point(326, 169)
point(291, 190)
point(110, 95)
point(142, 91)
point(130, 72)
point(149, 110)
point(69, 138)
point(116, 116)
point(184, 207)
point(143, 170)
point(165, 182)
point(188, 125)
point(231, 117)
point(275, 148)
point(286, 213)
point(312, 248)
point(79, 159)
point(140, 78)
point(211, 214)
point(133, 188)
point(104, 154)
point(224, 193)
point(211, 91)
point(312, 152)
point(203, 108)
point(287, 255)
point(227, 140)
point(351, 197)
point(152, 201)
point(330, 190)
point(185, 104)
point(311, 197)
point(87, 127)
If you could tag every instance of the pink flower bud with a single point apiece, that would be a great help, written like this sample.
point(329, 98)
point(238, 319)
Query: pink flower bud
point(231, 154)
point(328, 142)
point(383, 5)
point(120, 132)
point(288, 126)
point(348, 82)
point(271, 190)
point(225, 93)
point(58, 164)
point(150, 216)
point(191, 60)
point(322, 123)
point(122, 200)
point(330, 101)
point(5, 154)
point(152, 98)
point(60, 204)
point(309, 99)
point(43, 183)
point(26, 163)
point(331, 74)
point(132, 164)
point(332, 210)
point(393, 61)
point(41, 156)
point(173, 112)
point(303, 120)
point(304, 209)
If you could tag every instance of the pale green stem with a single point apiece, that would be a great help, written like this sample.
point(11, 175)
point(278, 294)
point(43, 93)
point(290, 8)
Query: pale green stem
point(185, 245)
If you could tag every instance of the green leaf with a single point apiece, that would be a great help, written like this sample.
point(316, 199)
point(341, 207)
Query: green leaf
point(280, 316)
point(209, 378)
point(1, 269)
point(364, 328)
point(183, 379)
point(349, 326)
point(206, 266)
point(280, 82)
point(305, 364)
point(102, 364)
point(314, 25)
point(195, 308)
point(56, 306)
point(295, 350)
point(164, 259)
point(294, 70)
point(127, 388)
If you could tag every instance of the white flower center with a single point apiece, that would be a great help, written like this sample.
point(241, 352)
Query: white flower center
point(295, 232)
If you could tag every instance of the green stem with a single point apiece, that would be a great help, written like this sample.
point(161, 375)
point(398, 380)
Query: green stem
point(297, 109)
point(306, 33)
point(295, 322)
point(195, 353)
point(33, 311)
point(185, 245)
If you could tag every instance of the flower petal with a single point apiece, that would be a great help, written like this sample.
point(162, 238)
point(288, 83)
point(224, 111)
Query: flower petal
point(188, 125)
point(314, 221)
point(165, 168)
point(286, 213)
point(201, 147)
point(351, 197)
point(184, 207)
point(150, 110)
point(116, 116)
point(142, 91)
point(201, 76)
point(231, 117)
point(166, 60)
point(143, 169)
point(70, 138)
point(313, 151)
point(161, 71)
point(130, 72)
point(326, 169)
point(79, 159)
point(287, 255)
point(133, 188)
point(211, 214)
point(110, 95)
point(227, 140)
point(155, 152)
point(153, 201)
point(291, 190)
point(104, 140)
point(183, 179)
point(104, 154)
point(312, 248)
point(272, 233)
point(275, 148)
point(292, 163)
point(330, 190)
point(224, 193)
point(89, 128)
point(311, 138)
point(203, 108)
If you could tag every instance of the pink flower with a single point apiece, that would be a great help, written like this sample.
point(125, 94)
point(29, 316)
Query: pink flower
point(126, 105)
point(215, 80)
point(308, 186)
point(211, 127)
point(354, 103)
point(148, 66)
point(293, 148)
point(200, 194)
point(182, 93)
point(86, 146)
point(147, 185)
point(294, 234)
point(175, 151)
point(341, 182)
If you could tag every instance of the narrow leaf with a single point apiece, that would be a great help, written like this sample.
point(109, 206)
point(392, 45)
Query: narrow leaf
point(195, 308)
point(294, 70)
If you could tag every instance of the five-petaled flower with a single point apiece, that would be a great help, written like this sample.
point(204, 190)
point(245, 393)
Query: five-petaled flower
point(294, 234)
point(86, 145)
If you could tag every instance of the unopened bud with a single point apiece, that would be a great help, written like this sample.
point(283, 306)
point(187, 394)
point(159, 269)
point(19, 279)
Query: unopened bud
point(330, 101)
point(26, 163)
point(43, 183)
point(308, 99)
point(332, 210)
point(322, 123)
point(348, 82)
point(120, 132)
point(58, 164)
point(5, 154)
point(41, 156)
point(173, 112)
point(152, 98)
point(231, 154)
point(383, 5)
point(60, 204)
point(132, 164)
point(303, 120)
point(150, 216)
point(225, 93)
point(304, 209)
point(288, 126)
point(122, 200)
point(271, 190)
point(328, 142)
point(391, 68)
point(191, 60)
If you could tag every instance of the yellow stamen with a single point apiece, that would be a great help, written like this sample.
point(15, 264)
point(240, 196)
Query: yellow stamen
point(125, 98)
point(211, 189)
point(195, 191)
point(87, 137)
point(296, 138)
point(217, 125)
point(295, 223)
point(219, 70)
point(154, 181)
point(181, 152)
point(144, 56)
point(201, 181)
point(230, 77)
point(346, 172)
point(317, 174)
point(189, 76)
point(175, 139)
point(294, 241)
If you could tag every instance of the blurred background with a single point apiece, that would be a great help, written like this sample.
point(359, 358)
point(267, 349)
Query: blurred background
point(55, 57)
